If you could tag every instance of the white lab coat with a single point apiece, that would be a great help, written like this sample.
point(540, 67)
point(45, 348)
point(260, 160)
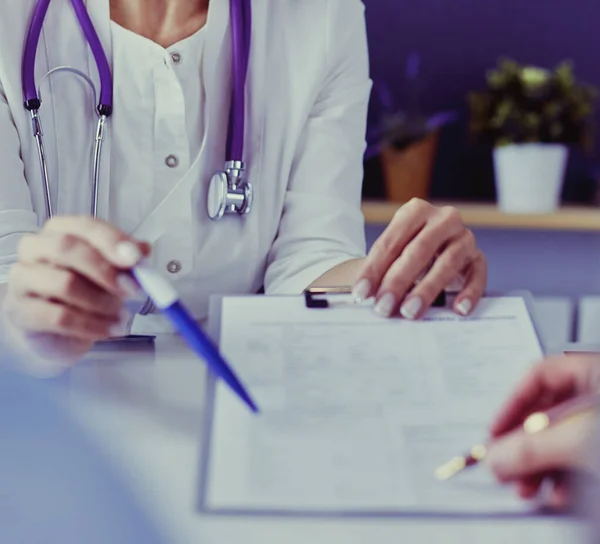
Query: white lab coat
point(307, 95)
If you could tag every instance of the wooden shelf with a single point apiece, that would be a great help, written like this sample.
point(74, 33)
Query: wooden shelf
point(490, 217)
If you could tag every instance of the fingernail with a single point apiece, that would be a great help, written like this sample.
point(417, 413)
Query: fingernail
point(361, 290)
point(121, 328)
point(128, 254)
point(411, 308)
point(385, 305)
point(128, 285)
point(465, 306)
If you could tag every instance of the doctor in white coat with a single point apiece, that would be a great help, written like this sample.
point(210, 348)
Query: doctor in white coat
point(63, 281)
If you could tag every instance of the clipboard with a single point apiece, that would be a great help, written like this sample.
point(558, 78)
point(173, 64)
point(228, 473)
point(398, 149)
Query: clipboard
point(329, 294)
point(134, 342)
point(321, 297)
point(131, 342)
point(576, 348)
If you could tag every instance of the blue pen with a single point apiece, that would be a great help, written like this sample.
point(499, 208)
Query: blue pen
point(167, 300)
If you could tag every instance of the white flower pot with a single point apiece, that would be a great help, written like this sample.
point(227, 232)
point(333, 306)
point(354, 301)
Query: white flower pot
point(529, 177)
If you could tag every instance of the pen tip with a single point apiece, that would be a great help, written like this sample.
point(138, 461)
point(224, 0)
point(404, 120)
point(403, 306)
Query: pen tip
point(251, 404)
point(450, 469)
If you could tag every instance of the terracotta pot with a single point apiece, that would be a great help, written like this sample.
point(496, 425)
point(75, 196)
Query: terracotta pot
point(408, 172)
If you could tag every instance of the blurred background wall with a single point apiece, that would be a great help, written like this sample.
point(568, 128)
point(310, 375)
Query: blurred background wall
point(458, 41)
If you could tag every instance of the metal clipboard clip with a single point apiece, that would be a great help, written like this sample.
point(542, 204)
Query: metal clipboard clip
point(322, 297)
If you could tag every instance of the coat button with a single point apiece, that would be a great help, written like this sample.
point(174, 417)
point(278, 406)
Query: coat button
point(176, 57)
point(172, 161)
point(174, 267)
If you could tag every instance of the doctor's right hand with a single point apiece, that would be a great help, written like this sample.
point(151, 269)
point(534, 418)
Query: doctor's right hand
point(68, 288)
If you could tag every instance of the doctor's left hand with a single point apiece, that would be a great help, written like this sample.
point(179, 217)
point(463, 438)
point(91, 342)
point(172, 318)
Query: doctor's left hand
point(429, 245)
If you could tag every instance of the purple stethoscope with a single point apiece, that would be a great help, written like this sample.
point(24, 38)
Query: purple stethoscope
point(228, 192)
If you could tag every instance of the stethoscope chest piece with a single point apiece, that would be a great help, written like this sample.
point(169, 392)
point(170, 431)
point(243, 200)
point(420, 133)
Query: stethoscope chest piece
point(229, 193)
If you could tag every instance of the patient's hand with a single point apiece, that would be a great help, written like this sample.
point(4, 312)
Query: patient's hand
point(528, 459)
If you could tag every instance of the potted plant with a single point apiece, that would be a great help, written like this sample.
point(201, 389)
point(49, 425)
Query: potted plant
point(532, 116)
point(406, 140)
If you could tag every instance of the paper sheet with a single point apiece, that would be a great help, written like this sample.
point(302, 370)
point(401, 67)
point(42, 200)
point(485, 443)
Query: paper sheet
point(358, 411)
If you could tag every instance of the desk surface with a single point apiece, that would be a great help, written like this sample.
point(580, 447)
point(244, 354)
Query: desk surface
point(145, 410)
point(489, 216)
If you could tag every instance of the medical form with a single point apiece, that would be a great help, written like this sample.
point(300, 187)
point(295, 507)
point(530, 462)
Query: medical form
point(358, 411)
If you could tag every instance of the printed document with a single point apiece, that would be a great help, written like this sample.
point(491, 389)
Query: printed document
point(357, 411)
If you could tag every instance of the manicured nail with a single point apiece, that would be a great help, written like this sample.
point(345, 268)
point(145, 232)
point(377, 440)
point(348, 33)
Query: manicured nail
point(361, 290)
point(385, 305)
point(464, 306)
point(121, 328)
point(128, 285)
point(128, 254)
point(411, 308)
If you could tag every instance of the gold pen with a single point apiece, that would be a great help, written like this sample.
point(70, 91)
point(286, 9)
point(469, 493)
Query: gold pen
point(535, 423)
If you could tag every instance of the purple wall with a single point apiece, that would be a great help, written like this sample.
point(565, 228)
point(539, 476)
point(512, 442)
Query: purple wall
point(458, 41)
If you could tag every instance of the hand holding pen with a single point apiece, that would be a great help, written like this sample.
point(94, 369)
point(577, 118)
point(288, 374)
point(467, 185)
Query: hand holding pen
point(543, 431)
point(68, 290)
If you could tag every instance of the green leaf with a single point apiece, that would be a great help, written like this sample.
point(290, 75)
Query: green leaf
point(530, 103)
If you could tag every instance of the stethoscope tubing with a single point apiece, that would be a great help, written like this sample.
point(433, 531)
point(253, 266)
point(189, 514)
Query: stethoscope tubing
point(241, 31)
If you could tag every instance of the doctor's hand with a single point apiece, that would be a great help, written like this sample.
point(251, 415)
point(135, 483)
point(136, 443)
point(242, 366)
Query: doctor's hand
point(427, 243)
point(68, 288)
point(528, 459)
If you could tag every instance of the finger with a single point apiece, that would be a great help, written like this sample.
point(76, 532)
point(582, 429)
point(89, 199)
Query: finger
point(521, 455)
point(406, 270)
point(562, 492)
point(70, 252)
point(115, 246)
point(548, 383)
point(453, 259)
point(59, 285)
point(474, 288)
point(406, 224)
point(530, 487)
point(35, 315)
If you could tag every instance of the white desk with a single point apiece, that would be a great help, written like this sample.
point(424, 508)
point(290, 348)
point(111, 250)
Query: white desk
point(145, 412)
point(555, 320)
point(589, 320)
